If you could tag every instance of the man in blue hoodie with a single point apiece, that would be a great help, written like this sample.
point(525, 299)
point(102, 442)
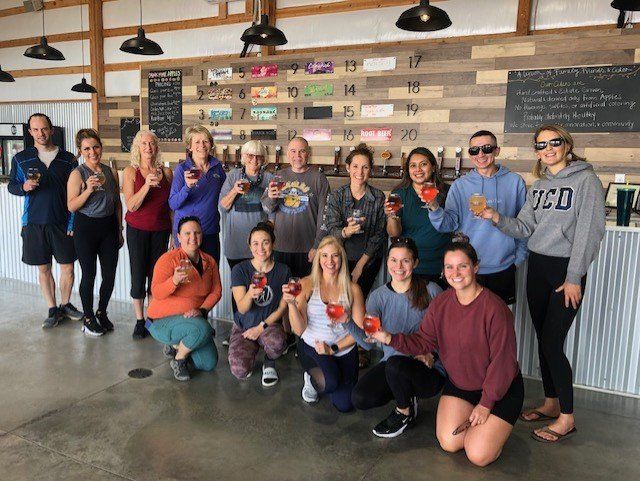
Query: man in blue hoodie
point(40, 174)
point(505, 192)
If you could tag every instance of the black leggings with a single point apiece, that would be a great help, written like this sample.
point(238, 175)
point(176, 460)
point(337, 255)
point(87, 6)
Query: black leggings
point(145, 248)
point(96, 238)
point(552, 321)
point(407, 377)
point(369, 274)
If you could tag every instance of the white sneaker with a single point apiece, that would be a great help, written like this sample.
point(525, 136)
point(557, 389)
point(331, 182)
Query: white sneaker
point(309, 393)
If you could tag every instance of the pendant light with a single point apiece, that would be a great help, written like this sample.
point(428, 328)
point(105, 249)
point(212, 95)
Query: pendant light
point(262, 33)
point(43, 51)
point(6, 76)
point(140, 44)
point(423, 18)
point(83, 86)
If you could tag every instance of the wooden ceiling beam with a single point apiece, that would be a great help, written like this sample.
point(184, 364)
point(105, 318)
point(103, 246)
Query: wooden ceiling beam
point(8, 12)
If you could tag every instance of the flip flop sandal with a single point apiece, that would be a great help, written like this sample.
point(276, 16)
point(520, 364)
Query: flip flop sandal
point(269, 376)
point(559, 437)
point(541, 416)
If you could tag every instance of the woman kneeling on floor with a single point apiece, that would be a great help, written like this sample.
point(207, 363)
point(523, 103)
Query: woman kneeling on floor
point(260, 308)
point(473, 330)
point(185, 287)
point(318, 315)
point(400, 305)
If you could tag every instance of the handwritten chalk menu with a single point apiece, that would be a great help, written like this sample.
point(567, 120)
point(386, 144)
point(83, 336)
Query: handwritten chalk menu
point(129, 127)
point(582, 99)
point(165, 104)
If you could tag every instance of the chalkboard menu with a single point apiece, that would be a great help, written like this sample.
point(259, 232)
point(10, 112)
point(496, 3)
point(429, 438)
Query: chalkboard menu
point(582, 99)
point(165, 104)
point(129, 127)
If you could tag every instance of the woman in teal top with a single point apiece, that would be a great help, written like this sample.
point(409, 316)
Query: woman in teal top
point(412, 220)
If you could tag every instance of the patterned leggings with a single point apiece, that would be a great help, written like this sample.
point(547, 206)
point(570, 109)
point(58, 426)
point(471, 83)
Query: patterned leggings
point(242, 352)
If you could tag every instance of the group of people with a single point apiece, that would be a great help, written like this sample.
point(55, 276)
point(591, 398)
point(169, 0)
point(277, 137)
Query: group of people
point(304, 260)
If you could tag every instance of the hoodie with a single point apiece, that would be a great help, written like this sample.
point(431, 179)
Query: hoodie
point(505, 192)
point(564, 217)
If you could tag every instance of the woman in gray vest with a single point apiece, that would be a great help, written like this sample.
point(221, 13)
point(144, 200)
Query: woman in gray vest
point(93, 196)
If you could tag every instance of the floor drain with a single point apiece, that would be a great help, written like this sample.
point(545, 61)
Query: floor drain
point(140, 373)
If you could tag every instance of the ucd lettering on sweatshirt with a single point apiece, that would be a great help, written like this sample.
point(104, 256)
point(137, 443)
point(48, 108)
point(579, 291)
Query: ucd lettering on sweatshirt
point(558, 198)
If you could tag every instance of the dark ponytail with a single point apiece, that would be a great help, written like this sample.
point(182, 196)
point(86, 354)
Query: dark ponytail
point(418, 293)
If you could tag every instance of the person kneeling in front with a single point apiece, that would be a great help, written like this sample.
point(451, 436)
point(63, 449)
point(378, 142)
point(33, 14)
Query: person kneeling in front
point(472, 328)
point(185, 287)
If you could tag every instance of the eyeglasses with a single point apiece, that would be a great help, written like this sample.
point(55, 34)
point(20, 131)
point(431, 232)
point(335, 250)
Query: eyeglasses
point(487, 149)
point(553, 143)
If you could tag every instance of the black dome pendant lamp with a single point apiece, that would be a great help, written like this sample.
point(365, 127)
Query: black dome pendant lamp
point(626, 5)
point(140, 44)
point(264, 34)
point(43, 51)
point(423, 18)
point(83, 86)
point(6, 76)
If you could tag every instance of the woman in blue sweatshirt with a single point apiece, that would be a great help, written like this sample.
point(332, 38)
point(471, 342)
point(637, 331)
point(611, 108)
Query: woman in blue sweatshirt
point(564, 219)
point(506, 193)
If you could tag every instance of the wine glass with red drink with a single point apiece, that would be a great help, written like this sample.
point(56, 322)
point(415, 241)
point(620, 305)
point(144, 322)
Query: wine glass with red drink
point(259, 279)
point(279, 183)
point(195, 174)
point(295, 286)
point(395, 203)
point(428, 193)
point(371, 325)
point(335, 311)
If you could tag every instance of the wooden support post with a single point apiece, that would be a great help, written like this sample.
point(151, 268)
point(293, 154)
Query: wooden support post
point(269, 7)
point(524, 17)
point(96, 39)
point(223, 10)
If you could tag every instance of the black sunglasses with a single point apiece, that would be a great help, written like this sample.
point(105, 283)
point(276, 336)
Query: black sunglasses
point(553, 143)
point(487, 149)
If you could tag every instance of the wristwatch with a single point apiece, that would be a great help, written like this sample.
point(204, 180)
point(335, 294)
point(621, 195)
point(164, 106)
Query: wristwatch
point(264, 325)
point(334, 348)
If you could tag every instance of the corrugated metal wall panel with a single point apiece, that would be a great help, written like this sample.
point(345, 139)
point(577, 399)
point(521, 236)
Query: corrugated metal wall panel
point(72, 116)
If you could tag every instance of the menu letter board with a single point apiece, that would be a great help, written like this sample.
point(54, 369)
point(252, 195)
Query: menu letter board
point(165, 104)
point(582, 99)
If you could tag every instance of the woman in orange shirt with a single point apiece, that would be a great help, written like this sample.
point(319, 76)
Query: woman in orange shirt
point(185, 287)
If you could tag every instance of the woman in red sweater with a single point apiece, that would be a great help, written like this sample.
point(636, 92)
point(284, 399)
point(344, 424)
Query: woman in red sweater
point(185, 287)
point(472, 329)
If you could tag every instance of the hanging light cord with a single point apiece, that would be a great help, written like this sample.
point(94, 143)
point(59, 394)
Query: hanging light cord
point(43, 21)
point(141, 13)
point(82, 40)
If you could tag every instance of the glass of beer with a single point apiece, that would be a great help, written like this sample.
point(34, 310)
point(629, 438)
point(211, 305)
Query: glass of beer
point(33, 173)
point(99, 175)
point(358, 216)
point(477, 203)
point(428, 193)
point(395, 202)
point(244, 185)
point(279, 183)
point(295, 286)
point(185, 267)
point(158, 173)
point(371, 324)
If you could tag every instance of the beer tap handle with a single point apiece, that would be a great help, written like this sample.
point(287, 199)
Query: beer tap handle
point(403, 159)
point(238, 163)
point(225, 157)
point(458, 161)
point(276, 166)
point(386, 155)
point(440, 157)
point(336, 160)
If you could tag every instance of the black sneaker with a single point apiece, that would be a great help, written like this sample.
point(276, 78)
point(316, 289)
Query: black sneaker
point(140, 332)
point(104, 321)
point(53, 318)
point(394, 425)
point(180, 371)
point(91, 327)
point(169, 351)
point(69, 311)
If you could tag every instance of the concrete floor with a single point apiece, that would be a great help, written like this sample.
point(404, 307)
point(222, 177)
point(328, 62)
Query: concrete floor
point(68, 410)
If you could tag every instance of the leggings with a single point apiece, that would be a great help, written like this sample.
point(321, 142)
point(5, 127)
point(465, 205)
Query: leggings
point(194, 332)
point(369, 274)
point(552, 321)
point(372, 389)
point(96, 238)
point(331, 375)
point(408, 377)
point(242, 352)
point(145, 248)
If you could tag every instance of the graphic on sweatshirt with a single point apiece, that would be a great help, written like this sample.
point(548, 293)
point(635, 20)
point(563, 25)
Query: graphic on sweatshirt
point(295, 197)
point(555, 198)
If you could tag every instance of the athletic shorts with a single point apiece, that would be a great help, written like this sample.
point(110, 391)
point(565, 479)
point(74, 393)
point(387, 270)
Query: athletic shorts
point(41, 242)
point(508, 408)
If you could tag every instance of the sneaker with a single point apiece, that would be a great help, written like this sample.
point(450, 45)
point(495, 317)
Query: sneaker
point(169, 351)
point(270, 376)
point(140, 332)
point(53, 318)
point(180, 371)
point(291, 344)
point(309, 393)
point(91, 327)
point(104, 321)
point(393, 426)
point(69, 311)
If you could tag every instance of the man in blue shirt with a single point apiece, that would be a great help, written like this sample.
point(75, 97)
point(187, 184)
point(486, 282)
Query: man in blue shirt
point(505, 192)
point(40, 174)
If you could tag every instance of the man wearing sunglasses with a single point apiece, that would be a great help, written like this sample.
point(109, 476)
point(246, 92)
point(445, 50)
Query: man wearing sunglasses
point(504, 191)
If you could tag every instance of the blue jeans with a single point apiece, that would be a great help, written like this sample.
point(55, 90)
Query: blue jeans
point(340, 373)
point(194, 332)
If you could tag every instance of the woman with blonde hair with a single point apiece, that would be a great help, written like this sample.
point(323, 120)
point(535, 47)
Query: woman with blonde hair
point(195, 189)
point(146, 185)
point(564, 220)
point(328, 298)
point(240, 201)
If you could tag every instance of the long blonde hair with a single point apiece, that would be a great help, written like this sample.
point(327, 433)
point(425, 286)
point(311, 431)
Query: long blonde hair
point(569, 155)
point(344, 279)
point(135, 148)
